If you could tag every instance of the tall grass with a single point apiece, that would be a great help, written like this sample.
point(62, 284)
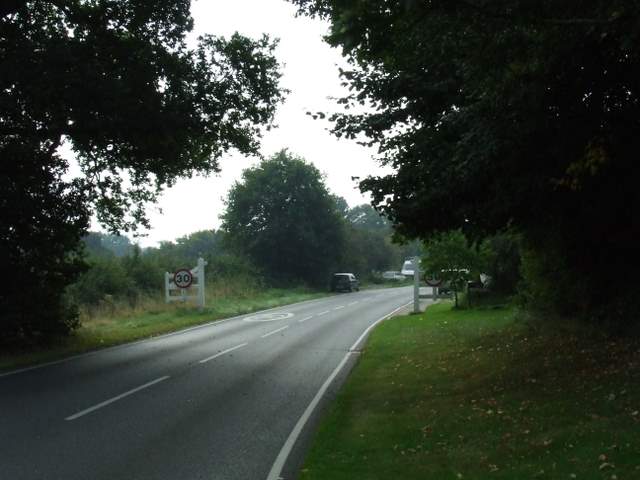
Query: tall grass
point(113, 321)
point(117, 308)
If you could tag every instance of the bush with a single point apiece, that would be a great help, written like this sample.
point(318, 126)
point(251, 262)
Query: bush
point(105, 276)
point(144, 272)
point(548, 285)
point(501, 259)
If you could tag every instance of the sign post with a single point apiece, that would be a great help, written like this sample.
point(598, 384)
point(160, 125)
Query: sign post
point(434, 282)
point(183, 280)
point(416, 285)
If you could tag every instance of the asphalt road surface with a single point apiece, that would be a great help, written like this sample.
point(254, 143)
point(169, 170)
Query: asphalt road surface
point(235, 399)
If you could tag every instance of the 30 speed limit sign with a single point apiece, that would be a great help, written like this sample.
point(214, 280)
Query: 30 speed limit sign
point(183, 278)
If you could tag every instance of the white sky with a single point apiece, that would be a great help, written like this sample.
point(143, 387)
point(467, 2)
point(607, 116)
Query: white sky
point(310, 72)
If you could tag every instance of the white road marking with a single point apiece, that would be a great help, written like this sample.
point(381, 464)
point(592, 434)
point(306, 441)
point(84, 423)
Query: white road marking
point(274, 331)
point(219, 354)
point(338, 307)
point(115, 399)
point(214, 323)
point(305, 319)
point(323, 313)
point(276, 469)
point(353, 303)
point(268, 317)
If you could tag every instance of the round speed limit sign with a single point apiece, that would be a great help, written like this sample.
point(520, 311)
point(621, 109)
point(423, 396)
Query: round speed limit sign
point(432, 280)
point(183, 278)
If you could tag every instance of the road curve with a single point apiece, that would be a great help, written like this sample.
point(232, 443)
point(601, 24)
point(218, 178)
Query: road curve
point(235, 399)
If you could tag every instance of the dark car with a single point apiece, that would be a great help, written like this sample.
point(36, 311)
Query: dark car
point(344, 282)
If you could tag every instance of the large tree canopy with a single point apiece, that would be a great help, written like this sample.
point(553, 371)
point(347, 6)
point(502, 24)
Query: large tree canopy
point(116, 83)
point(116, 80)
point(498, 113)
point(282, 216)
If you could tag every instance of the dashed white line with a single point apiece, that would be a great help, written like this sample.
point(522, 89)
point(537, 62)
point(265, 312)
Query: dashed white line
point(338, 307)
point(115, 399)
point(353, 303)
point(274, 331)
point(323, 313)
point(305, 319)
point(219, 354)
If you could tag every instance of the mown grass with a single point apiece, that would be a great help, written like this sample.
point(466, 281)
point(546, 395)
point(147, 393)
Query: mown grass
point(477, 394)
point(110, 324)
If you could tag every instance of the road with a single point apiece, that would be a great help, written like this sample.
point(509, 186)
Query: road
point(235, 399)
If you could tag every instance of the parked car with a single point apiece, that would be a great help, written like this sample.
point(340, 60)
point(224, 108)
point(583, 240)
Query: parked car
point(391, 275)
point(346, 282)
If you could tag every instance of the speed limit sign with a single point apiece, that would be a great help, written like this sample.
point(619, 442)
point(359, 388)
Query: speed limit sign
point(431, 280)
point(183, 278)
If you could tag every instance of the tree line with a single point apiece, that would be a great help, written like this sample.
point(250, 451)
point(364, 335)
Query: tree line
point(495, 116)
point(282, 227)
point(505, 115)
point(117, 84)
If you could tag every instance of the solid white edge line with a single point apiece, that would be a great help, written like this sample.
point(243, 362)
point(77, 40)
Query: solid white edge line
point(305, 319)
point(115, 399)
point(219, 354)
point(276, 469)
point(274, 331)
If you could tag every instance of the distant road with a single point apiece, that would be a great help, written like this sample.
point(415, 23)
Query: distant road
point(235, 399)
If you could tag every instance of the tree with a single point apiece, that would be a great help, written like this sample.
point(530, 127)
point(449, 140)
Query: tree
point(282, 216)
point(496, 114)
point(366, 218)
point(115, 82)
point(501, 257)
point(105, 244)
point(449, 257)
point(369, 249)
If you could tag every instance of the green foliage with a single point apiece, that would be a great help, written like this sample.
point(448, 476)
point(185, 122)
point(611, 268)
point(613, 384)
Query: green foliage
point(449, 256)
point(368, 253)
point(501, 259)
point(364, 217)
point(145, 272)
point(549, 286)
point(371, 246)
point(229, 265)
point(368, 249)
point(116, 83)
point(112, 326)
point(475, 394)
point(502, 114)
point(106, 245)
point(139, 275)
point(40, 219)
point(185, 251)
point(104, 278)
point(283, 218)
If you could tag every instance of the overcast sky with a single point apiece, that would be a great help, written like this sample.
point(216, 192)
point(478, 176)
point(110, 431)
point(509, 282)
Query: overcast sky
point(310, 72)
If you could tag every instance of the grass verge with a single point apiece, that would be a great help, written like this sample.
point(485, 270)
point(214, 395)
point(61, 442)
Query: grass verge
point(476, 394)
point(105, 329)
